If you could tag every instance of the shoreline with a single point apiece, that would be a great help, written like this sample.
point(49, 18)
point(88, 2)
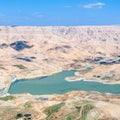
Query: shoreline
point(82, 79)
point(68, 79)
point(74, 78)
point(75, 88)
point(7, 87)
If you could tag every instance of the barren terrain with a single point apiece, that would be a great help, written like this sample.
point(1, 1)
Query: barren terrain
point(76, 105)
point(29, 52)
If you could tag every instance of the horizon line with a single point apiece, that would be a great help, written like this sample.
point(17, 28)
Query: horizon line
point(57, 25)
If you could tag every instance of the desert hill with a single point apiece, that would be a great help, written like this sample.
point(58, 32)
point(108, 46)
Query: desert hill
point(27, 51)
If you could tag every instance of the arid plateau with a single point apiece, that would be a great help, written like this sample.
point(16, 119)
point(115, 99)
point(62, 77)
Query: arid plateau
point(28, 52)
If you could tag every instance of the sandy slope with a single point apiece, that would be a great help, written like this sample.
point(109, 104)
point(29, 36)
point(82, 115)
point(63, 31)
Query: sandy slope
point(105, 106)
point(56, 48)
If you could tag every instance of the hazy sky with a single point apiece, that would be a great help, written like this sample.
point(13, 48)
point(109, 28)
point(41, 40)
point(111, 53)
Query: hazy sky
point(59, 12)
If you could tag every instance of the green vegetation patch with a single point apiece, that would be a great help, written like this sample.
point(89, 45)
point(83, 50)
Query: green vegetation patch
point(3, 68)
point(82, 108)
point(27, 105)
point(69, 117)
point(19, 115)
point(52, 109)
point(6, 98)
point(85, 111)
point(77, 111)
point(81, 103)
point(20, 66)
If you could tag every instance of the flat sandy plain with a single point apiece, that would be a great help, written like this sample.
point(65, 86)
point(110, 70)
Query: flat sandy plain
point(29, 52)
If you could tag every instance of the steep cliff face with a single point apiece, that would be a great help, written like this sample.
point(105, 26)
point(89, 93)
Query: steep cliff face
point(55, 48)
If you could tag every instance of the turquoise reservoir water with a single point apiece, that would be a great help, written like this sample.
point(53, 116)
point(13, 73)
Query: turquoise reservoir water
point(57, 84)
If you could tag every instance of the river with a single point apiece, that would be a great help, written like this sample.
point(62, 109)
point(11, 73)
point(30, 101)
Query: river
point(56, 84)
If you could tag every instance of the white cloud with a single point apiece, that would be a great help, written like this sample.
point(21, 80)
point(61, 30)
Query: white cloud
point(38, 15)
point(94, 5)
